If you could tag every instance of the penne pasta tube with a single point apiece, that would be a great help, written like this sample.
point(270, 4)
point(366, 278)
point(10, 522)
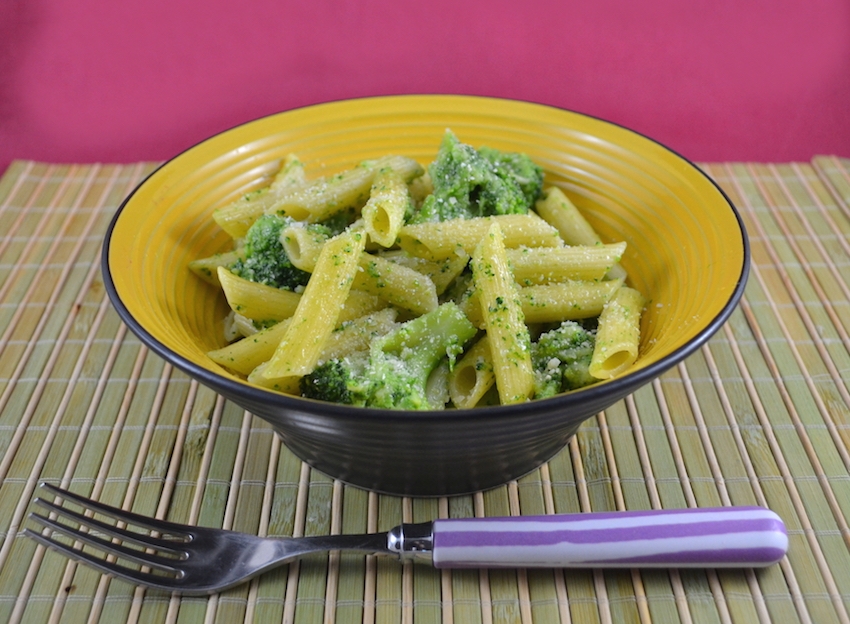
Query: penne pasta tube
point(319, 199)
point(383, 214)
point(237, 217)
point(618, 334)
point(442, 272)
point(291, 173)
point(540, 265)
point(360, 303)
point(472, 376)
point(397, 284)
point(290, 384)
point(318, 310)
point(503, 318)
point(566, 301)
point(242, 326)
point(557, 209)
point(257, 302)
point(247, 354)
point(437, 387)
point(440, 240)
point(302, 245)
point(358, 334)
point(243, 356)
point(207, 268)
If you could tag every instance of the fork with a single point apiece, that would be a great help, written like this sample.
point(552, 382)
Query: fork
point(195, 560)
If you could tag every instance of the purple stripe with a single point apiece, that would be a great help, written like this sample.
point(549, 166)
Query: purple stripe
point(444, 537)
point(692, 558)
point(724, 555)
point(616, 515)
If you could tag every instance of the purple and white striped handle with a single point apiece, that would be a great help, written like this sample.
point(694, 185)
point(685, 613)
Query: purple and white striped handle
point(707, 538)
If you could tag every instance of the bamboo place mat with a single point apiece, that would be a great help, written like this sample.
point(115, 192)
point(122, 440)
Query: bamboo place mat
point(758, 416)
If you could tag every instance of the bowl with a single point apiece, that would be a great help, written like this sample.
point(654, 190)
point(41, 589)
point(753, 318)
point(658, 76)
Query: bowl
point(687, 253)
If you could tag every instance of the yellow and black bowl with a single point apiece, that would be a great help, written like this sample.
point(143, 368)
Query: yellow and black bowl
point(687, 253)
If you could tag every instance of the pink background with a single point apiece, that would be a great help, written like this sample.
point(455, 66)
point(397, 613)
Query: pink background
point(108, 80)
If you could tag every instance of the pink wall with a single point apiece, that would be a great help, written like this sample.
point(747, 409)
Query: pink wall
point(106, 80)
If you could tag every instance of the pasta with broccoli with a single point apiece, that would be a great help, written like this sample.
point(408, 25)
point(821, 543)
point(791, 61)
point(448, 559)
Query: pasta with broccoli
point(396, 286)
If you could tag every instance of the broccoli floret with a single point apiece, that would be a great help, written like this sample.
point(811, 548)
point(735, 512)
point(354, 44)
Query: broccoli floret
point(519, 168)
point(478, 183)
point(395, 371)
point(263, 258)
point(561, 359)
point(340, 380)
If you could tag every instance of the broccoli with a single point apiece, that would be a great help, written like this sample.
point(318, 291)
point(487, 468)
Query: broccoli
point(394, 373)
point(561, 358)
point(263, 258)
point(477, 183)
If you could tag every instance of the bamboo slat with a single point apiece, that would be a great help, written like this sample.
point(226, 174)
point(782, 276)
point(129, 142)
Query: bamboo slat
point(759, 415)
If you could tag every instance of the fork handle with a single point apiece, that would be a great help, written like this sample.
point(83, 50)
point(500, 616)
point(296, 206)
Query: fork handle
point(711, 537)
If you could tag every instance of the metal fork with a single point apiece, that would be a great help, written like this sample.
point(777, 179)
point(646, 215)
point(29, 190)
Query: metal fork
point(196, 560)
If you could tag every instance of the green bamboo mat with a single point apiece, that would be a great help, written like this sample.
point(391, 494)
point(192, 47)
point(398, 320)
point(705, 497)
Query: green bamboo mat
point(758, 416)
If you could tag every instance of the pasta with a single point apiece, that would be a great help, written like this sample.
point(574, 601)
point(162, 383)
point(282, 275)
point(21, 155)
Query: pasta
point(502, 316)
point(302, 245)
point(243, 356)
point(383, 214)
point(367, 272)
point(617, 340)
point(540, 265)
point(397, 284)
point(438, 241)
point(255, 301)
point(473, 376)
point(318, 308)
point(548, 303)
point(556, 208)
point(443, 272)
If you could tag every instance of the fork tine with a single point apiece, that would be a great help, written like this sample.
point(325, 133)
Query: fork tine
point(160, 526)
point(102, 565)
point(140, 539)
point(109, 547)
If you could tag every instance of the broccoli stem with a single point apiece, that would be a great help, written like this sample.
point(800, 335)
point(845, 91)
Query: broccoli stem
point(424, 341)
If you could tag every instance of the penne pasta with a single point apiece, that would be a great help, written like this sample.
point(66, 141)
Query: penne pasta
point(472, 376)
point(383, 214)
point(302, 245)
point(511, 275)
point(318, 310)
point(255, 301)
point(618, 334)
point(549, 303)
point(540, 265)
point(291, 173)
point(397, 284)
point(441, 240)
point(358, 334)
point(289, 384)
point(319, 199)
point(557, 209)
point(443, 273)
point(238, 216)
point(243, 356)
point(437, 388)
point(207, 268)
point(503, 318)
point(247, 354)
